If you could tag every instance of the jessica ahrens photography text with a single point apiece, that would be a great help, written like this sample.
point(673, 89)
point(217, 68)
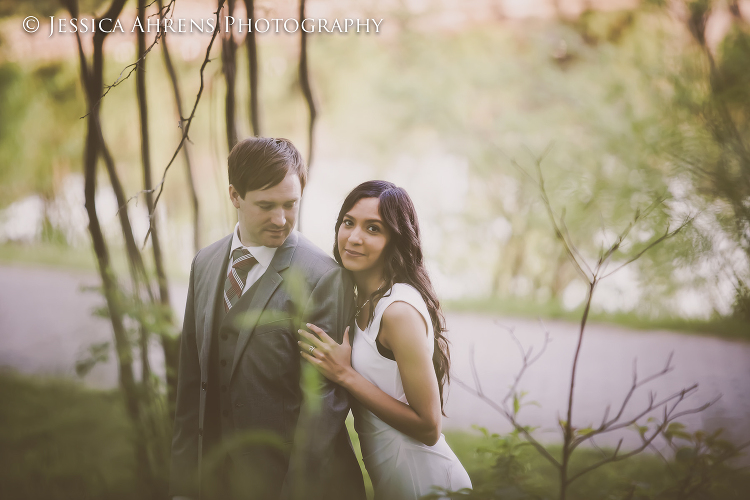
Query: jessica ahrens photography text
point(32, 24)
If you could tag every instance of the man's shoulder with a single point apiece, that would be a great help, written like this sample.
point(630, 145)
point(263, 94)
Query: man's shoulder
point(310, 257)
point(207, 254)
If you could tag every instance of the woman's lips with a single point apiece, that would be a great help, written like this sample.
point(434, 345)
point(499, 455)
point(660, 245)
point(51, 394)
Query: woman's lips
point(351, 253)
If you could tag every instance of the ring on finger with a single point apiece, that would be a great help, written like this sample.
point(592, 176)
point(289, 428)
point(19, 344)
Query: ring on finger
point(312, 348)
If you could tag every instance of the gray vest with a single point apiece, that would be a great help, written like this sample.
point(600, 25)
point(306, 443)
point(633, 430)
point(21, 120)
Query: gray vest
point(218, 423)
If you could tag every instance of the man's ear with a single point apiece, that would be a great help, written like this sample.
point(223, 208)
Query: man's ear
point(234, 196)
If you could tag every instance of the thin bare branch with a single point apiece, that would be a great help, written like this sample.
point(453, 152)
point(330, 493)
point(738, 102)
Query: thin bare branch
point(652, 405)
point(669, 417)
point(566, 232)
point(639, 383)
point(186, 123)
point(526, 360)
point(502, 407)
point(531, 440)
point(474, 373)
point(131, 68)
point(579, 265)
point(185, 151)
point(667, 234)
point(596, 446)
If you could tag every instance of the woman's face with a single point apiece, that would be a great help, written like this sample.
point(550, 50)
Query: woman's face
point(363, 237)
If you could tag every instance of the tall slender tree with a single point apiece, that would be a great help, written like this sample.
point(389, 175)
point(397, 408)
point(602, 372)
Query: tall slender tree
point(252, 60)
point(229, 68)
point(304, 82)
point(92, 82)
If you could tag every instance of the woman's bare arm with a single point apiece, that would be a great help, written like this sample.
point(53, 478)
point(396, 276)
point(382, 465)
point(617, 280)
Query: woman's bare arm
point(404, 332)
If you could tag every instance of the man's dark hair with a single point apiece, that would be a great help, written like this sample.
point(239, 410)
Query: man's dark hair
point(263, 162)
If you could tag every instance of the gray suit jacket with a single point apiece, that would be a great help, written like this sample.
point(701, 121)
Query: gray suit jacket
point(301, 285)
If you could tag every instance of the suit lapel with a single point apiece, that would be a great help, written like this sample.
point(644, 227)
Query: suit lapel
point(267, 285)
point(217, 271)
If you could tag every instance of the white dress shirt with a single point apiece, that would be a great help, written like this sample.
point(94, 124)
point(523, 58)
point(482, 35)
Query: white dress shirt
point(264, 256)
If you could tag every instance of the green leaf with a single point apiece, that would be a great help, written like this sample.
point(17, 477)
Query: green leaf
point(675, 426)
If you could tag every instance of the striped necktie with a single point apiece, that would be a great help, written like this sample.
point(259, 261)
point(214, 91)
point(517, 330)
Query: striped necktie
point(242, 262)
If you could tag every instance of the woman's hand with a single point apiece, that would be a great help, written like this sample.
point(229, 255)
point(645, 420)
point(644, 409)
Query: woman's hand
point(330, 358)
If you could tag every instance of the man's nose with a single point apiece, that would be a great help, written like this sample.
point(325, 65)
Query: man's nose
point(278, 218)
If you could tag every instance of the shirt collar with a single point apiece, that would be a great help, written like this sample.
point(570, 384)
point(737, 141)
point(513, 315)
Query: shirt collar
point(264, 255)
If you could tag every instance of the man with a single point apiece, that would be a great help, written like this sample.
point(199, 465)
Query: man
point(244, 428)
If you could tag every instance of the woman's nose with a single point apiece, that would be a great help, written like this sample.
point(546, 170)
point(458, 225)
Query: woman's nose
point(355, 236)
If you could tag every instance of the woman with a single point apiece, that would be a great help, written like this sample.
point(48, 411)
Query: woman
point(399, 360)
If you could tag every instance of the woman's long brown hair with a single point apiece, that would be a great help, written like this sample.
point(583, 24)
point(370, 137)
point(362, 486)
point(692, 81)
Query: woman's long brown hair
point(404, 262)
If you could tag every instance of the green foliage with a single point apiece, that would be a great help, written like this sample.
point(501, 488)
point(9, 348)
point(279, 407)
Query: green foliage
point(354, 437)
point(509, 475)
point(504, 96)
point(699, 468)
point(40, 105)
point(708, 112)
point(505, 467)
point(61, 441)
point(97, 353)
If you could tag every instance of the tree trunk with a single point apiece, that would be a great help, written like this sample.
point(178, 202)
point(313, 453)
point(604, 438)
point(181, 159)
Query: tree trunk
point(171, 346)
point(229, 68)
point(304, 81)
point(252, 59)
point(92, 84)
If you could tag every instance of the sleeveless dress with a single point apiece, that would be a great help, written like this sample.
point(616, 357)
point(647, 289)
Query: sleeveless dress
point(401, 468)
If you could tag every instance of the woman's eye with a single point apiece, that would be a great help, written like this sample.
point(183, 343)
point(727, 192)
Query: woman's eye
point(373, 229)
point(348, 223)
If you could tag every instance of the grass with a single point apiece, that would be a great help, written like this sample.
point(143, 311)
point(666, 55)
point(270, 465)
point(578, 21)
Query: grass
point(60, 440)
point(722, 327)
point(48, 255)
point(534, 477)
point(61, 256)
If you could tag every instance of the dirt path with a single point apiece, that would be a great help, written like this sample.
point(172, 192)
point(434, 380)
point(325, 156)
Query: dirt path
point(46, 324)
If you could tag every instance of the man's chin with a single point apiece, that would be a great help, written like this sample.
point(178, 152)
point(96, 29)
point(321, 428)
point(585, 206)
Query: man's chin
point(274, 240)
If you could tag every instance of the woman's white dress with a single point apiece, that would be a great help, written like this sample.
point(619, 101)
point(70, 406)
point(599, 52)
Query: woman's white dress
point(401, 468)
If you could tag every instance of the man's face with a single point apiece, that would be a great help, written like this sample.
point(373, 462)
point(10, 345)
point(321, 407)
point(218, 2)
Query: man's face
point(267, 216)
